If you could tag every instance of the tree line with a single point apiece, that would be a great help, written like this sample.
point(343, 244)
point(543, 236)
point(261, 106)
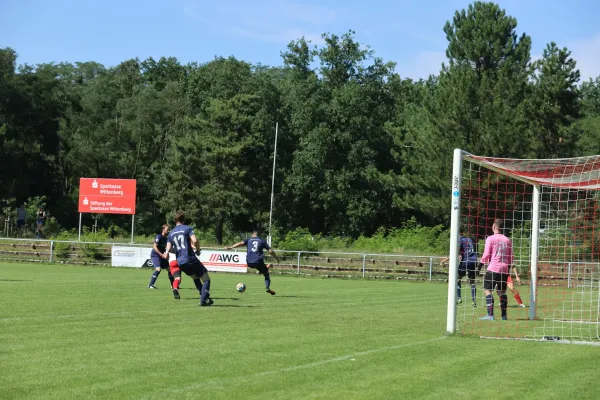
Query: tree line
point(360, 147)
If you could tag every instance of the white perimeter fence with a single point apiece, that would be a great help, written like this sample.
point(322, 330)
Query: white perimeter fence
point(324, 264)
point(312, 263)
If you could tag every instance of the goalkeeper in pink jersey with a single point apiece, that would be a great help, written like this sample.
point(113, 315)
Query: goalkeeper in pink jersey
point(498, 255)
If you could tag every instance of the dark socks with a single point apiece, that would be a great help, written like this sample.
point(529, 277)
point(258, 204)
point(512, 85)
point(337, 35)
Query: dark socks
point(489, 299)
point(198, 284)
point(503, 303)
point(153, 278)
point(205, 293)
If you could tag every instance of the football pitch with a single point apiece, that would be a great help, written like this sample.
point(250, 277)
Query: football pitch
point(86, 332)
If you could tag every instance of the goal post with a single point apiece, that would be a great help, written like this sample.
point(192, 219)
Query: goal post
point(454, 238)
point(535, 242)
point(550, 210)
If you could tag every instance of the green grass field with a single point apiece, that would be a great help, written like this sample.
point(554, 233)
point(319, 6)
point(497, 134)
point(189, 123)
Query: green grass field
point(83, 332)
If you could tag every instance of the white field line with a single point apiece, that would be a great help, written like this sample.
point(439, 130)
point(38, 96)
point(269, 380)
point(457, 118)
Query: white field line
point(169, 393)
point(575, 321)
point(561, 341)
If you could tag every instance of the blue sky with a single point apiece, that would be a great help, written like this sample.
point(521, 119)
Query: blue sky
point(406, 32)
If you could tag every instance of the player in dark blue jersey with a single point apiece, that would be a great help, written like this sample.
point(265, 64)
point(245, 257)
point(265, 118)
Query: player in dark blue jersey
point(159, 257)
point(255, 258)
point(467, 266)
point(183, 240)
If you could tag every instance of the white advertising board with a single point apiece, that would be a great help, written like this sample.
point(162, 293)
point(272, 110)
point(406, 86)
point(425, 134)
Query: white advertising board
point(221, 261)
point(131, 256)
point(224, 261)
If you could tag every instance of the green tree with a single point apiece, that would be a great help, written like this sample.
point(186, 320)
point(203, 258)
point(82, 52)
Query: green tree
point(477, 104)
point(554, 103)
point(216, 167)
point(588, 126)
point(344, 150)
point(482, 90)
point(30, 106)
point(359, 147)
point(118, 126)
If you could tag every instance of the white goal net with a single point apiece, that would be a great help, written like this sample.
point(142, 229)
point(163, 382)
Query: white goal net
point(550, 210)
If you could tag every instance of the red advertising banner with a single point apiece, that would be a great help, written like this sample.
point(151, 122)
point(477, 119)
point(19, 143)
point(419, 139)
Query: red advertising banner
point(107, 196)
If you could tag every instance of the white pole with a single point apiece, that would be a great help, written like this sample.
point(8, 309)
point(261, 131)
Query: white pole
point(454, 240)
point(80, 227)
point(273, 183)
point(364, 264)
point(535, 240)
point(132, 226)
point(430, 267)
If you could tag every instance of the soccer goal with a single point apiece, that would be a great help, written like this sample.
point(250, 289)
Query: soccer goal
point(551, 212)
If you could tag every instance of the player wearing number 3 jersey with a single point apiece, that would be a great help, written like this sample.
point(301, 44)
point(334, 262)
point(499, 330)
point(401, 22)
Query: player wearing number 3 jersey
point(498, 255)
point(255, 257)
point(185, 243)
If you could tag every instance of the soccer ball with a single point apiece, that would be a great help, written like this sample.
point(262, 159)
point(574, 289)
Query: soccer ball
point(241, 287)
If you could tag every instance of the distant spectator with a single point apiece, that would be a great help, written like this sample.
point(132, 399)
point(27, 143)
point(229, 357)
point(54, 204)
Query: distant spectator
point(41, 219)
point(21, 217)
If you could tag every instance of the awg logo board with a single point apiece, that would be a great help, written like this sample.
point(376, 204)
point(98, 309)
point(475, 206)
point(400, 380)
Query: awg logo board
point(225, 258)
point(225, 261)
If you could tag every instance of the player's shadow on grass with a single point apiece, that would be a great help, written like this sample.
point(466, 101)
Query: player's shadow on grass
point(287, 297)
point(215, 298)
point(15, 280)
point(222, 305)
point(234, 305)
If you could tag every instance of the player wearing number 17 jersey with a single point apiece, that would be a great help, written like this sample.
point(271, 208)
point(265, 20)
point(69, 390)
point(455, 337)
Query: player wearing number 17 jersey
point(498, 255)
point(183, 239)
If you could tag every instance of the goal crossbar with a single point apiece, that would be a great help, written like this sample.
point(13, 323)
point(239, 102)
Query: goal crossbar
point(569, 173)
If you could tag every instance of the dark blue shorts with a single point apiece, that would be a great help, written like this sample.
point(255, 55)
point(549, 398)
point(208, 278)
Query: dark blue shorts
point(20, 223)
point(260, 266)
point(159, 262)
point(194, 267)
point(467, 267)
